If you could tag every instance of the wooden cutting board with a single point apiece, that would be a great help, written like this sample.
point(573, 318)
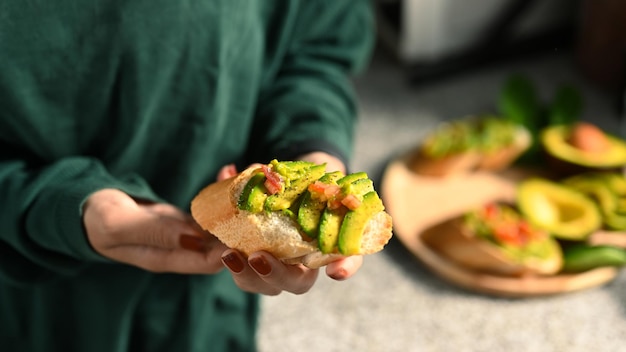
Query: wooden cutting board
point(418, 202)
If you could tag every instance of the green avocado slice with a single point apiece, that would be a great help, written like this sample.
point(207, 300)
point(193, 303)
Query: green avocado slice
point(351, 178)
point(311, 209)
point(358, 187)
point(330, 225)
point(595, 188)
point(256, 200)
point(602, 188)
point(296, 184)
point(354, 222)
point(245, 198)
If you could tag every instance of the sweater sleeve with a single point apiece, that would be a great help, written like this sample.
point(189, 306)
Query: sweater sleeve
point(309, 104)
point(42, 232)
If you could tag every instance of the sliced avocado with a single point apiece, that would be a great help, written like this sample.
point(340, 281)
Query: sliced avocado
point(311, 209)
point(564, 212)
point(615, 221)
point(595, 188)
point(620, 207)
point(554, 140)
point(256, 200)
point(330, 225)
point(244, 199)
point(358, 187)
point(351, 178)
point(599, 187)
point(616, 182)
point(354, 222)
point(296, 182)
point(290, 170)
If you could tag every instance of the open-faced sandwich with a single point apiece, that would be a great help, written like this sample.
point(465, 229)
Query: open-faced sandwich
point(496, 239)
point(473, 143)
point(297, 211)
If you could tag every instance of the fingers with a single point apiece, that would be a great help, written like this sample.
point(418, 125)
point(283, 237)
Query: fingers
point(155, 237)
point(180, 260)
point(262, 273)
point(227, 171)
point(344, 268)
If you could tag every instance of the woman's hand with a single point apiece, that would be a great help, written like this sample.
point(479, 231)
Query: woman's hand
point(157, 237)
point(263, 273)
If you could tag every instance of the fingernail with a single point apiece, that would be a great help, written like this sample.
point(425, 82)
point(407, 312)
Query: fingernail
point(192, 243)
point(339, 275)
point(233, 262)
point(260, 265)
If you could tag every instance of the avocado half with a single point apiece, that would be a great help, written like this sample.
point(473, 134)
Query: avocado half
point(554, 141)
point(566, 213)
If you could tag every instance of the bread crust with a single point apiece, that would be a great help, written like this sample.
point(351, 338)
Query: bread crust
point(215, 210)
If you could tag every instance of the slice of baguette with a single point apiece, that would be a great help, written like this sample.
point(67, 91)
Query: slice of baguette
point(215, 210)
point(449, 165)
point(455, 242)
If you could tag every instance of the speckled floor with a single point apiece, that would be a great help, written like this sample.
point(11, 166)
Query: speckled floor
point(395, 303)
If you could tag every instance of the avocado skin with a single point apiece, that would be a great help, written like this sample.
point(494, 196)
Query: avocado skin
point(354, 222)
point(583, 257)
point(311, 209)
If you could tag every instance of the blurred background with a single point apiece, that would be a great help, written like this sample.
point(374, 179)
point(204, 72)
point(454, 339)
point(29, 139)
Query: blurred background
point(438, 60)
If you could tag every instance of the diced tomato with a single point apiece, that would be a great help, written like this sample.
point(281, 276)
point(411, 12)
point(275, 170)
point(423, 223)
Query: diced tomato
point(351, 201)
point(332, 191)
point(317, 191)
point(524, 227)
point(332, 195)
point(273, 181)
point(507, 233)
point(491, 211)
point(526, 232)
point(317, 187)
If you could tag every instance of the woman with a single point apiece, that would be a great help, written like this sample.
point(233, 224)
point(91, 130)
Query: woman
point(113, 115)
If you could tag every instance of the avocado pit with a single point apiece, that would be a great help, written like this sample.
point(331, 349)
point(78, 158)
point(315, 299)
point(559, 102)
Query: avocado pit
point(588, 138)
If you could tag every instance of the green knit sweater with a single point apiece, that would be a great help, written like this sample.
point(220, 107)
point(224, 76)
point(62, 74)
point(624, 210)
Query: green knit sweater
point(151, 97)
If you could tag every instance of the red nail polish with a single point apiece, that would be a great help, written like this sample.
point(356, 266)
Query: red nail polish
point(233, 262)
point(192, 243)
point(261, 266)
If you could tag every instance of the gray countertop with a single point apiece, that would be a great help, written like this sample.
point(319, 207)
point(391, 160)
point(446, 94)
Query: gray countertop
point(395, 303)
